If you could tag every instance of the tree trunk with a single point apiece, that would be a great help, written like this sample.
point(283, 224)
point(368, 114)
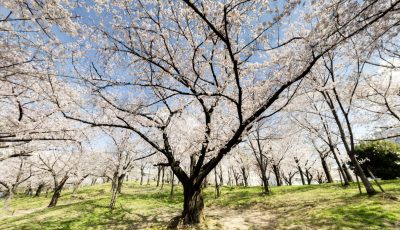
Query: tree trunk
point(8, 198)
point(193, 205)
point(158, 175)
point(148, 178)
point(217, 191)
point(39, 189)
point(326, 170)
point(114, 194)
point(245, 175)
point(368, 186)
point(162, 178)
point(301, 175)
point(141, 175)
point(348, 175)
point(172, 184)
point(221, 176)
point(57, 192)
point(277, 175)
point(116, 189)
point(308, 176)
point(28, 191)
point(78, 183)
point(120, 181)
point(205, 182)
point(341, 171)
point(265, 183)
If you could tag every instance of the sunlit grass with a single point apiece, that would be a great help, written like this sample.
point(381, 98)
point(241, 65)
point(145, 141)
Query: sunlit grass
point(313, 206)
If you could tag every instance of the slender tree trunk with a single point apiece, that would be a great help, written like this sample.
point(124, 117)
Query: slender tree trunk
point(368, 186)
point(141, 175)
point(193, 205)
point(172, 184)
point(358, 184)
point(221, 177)
point(205, 182)
point(162, 179)
point(347, 172)
point(8, 198)
point(47, 191)
point(341, 171)
point(57, 192)
point(301, 175)
point(116, 188)
point(158, 175)
point(78, 183)
point(217, 190)
point(340, 176)
point(114, 194)
point(265, 183)
point(245, 175)
point(326, 170)
point(148, 177)
point(277, 175)
point(28, 191)
point(229, 177)
point(39, 189)
point(350, 147)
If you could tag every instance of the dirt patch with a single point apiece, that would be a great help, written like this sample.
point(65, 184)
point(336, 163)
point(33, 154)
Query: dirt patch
point(239, 219)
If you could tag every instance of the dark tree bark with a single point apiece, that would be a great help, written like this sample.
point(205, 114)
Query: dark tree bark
point(265, 184)
point(39, 189)
point(289, 178)
point(162, 178)
point(326, 170)
point(309, 176)
point(278, 179)
point(94, 180)
point(205, 182)
point(172, 184)
point(245, 175)
point(116, 188)
point(221, 176)
point(193, 205)
point(332, 149)
point(236, 176)
point(28, 191)
point(158, 175)
point(120, 182)
point(348, 146)
point(57, 191)
point(300, 171)
point(341, 171)
point(323, 155)
point(320, 178)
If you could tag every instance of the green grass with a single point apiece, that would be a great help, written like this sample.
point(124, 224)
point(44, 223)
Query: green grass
point(327, 206)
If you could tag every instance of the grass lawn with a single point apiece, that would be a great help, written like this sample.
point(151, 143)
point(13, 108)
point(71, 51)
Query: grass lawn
point(147, 207)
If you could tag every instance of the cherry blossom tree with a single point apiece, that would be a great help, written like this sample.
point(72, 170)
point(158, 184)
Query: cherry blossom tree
point(214, 66)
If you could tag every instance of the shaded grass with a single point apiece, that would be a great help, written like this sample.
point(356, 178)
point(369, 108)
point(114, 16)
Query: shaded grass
point(147, 207)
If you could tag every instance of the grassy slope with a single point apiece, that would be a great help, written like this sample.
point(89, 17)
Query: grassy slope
point(314, 206)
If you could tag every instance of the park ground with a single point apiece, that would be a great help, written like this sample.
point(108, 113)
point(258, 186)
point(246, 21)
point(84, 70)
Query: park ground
point(327, 206)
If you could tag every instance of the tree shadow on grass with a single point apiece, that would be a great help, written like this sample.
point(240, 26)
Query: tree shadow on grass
point(360, 216)
point(82, 215)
